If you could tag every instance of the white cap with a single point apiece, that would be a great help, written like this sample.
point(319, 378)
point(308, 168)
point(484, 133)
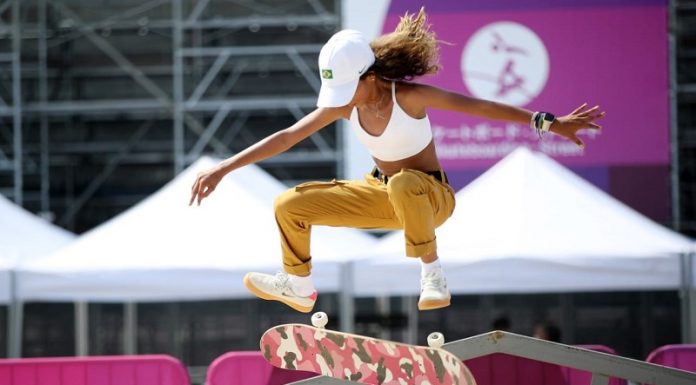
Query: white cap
point(342, 60)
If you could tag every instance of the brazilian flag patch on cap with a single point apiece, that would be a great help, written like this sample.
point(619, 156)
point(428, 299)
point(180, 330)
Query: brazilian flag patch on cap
point(326, 74)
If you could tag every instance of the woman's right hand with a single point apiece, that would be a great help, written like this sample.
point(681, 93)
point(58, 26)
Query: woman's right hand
point(205, 184)
point(271, 145)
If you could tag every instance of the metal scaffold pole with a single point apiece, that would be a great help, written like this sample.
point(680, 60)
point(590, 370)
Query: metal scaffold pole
point(178, 82)
point(43, 99)
point(17, 102)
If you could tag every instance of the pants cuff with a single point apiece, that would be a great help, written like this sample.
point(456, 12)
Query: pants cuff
point(421, 249)
point(301, 270)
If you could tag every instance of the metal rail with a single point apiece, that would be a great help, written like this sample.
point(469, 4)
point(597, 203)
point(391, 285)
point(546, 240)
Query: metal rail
point(601, 365)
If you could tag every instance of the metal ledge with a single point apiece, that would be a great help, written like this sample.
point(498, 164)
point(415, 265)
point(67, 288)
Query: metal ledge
point(601, 365)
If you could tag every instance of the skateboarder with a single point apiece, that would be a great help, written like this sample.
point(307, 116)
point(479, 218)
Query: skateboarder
point(369, 85)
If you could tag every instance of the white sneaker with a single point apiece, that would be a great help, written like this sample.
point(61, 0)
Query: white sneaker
point(278, 288)
point(434, 292)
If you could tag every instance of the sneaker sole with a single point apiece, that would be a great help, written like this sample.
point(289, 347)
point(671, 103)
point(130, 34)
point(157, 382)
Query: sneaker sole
point(268, 297)
point(433, 304)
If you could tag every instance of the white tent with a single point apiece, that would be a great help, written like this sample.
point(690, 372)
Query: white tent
point(530, 225)
point(162, 249)
point(24, 236)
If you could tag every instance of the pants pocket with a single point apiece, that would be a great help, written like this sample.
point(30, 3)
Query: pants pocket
point(318, 184)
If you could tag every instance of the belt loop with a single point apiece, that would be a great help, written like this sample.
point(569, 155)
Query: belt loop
point(443, 176)
point(377, 174)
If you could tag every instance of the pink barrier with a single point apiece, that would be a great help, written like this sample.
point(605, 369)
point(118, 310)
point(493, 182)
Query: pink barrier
point(581, 377)
point(249, 368)
point(104, 370)
point(681, 356)
point(504, 369)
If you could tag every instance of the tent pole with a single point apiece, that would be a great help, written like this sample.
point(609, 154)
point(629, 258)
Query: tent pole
point(688, 310)
point(692, 298)
point(346, 300)
point(15, 338)
point(383, 309)
point(130, 326)
point(688, 298)
point(410, 306)
point(567, 317)
point(81, 329)
point(177, 335)
point(15, 315)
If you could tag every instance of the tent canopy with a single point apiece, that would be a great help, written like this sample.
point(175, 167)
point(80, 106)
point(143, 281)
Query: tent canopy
point(24, 236)
point(530, 225)
point(163, 249)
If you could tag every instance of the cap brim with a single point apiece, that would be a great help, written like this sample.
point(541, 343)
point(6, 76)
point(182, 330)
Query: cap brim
point(337, 96)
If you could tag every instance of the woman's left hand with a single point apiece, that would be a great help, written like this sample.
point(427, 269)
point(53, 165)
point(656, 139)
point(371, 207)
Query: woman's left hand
point(581, 118)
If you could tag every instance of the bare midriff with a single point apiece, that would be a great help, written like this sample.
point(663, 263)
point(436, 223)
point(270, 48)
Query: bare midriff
point(426, 160)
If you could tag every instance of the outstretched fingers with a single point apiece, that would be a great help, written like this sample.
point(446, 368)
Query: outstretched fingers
point(194, 191)
point(592, 118)
point(201, 189)
point(587, 117)
point(588, 112)
point(584, 112)
point(579, 109)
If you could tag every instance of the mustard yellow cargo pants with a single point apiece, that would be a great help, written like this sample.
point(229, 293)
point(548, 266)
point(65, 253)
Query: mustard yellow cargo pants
point(410, 200)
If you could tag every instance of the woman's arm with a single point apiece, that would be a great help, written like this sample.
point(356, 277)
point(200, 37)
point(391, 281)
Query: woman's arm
point(566, 126)
point(271, 145)
point(438, 98)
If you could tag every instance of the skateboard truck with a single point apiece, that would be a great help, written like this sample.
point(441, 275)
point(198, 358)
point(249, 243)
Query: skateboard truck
point(320, 320)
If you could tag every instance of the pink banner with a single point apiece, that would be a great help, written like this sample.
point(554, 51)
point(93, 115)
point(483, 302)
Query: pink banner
point(553, 59)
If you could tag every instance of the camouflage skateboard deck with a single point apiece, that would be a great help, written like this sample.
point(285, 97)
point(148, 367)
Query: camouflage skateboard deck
point(361, 359)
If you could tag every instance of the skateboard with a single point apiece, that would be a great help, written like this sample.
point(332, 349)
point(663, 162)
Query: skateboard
point(361, 359)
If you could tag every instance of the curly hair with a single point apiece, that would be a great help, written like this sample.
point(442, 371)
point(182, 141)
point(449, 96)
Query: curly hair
point(411, 50)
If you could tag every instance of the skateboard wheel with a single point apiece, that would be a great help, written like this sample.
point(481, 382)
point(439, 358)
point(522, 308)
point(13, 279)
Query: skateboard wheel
point(319, 319)
point(436, 340)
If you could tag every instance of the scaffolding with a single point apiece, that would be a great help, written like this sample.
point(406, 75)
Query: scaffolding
point(111, 99)
point(101, 103)
point(683, 104)
point(11, 96)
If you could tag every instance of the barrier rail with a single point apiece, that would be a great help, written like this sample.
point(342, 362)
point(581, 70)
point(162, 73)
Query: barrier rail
point(249, 368)
point(504, 369)
point(103, 370)
point(681, 356)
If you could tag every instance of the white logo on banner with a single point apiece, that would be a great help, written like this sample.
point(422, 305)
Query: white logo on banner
point(505, 62)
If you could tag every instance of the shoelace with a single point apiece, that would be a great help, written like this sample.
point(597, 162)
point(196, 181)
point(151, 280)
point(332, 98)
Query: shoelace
point(281, 282)
point(432, 280)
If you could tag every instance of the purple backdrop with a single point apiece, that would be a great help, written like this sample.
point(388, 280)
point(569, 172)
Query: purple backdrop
point(553, 56)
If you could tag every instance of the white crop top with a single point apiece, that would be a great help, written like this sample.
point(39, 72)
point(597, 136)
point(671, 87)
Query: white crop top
point(403, 137)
